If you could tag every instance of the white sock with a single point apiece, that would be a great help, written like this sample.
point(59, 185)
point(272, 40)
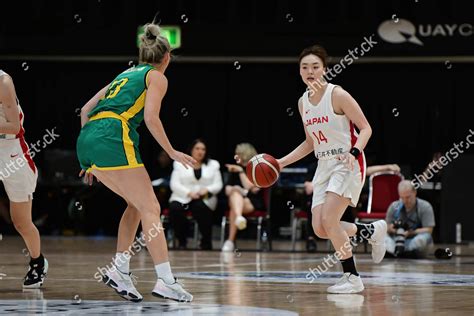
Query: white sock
point(163, 271)
point(122, 262)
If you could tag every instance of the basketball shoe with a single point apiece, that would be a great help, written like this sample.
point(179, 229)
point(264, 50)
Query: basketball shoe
point(347, 284)
point(173, 291)
point(377, 240)
point(35, 276)
point(123, 284)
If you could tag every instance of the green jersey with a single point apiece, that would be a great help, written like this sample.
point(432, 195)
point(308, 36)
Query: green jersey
point(126, 95)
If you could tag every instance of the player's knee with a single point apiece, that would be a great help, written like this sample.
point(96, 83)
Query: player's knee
point(133, 212)
point(149, 208)
point(327, 222)
point(22, 226)
point(320, 232)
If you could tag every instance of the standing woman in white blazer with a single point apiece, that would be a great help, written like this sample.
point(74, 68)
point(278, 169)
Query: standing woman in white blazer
point(195, 189)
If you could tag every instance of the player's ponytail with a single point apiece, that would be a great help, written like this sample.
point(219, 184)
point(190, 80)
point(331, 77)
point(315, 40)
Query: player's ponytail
point(153, 46)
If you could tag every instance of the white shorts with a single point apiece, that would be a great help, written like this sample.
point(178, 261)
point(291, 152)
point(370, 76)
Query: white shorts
point(332, 176)
point(17, 170)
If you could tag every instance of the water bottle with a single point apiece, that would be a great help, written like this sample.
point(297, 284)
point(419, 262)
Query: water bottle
point(458, 233)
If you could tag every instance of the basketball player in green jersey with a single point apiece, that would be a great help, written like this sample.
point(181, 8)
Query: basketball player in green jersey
point(107, 148)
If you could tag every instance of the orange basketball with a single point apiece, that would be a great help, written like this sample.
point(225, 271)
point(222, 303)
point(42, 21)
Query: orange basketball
point(263, 170)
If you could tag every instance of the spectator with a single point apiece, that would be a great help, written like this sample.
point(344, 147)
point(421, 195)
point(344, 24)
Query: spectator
point(244, 197)
point(410, 224)
point(195, 190)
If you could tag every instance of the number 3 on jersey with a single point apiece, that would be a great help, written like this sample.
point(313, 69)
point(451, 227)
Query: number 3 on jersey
point(321, 137)
point(115, 88)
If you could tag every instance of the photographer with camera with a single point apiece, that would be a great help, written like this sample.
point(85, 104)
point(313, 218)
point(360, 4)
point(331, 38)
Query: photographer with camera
point(411, 221)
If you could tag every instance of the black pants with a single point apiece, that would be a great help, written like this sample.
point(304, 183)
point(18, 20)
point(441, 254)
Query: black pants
point(201, 213)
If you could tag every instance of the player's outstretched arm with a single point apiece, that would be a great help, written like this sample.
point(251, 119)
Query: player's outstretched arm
point(8, 99)
point(302, 150)
point(158, 85)
point(91, 104)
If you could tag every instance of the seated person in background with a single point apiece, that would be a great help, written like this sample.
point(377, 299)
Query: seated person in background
point(244, 197)
point(195, 190)
point(410, 224)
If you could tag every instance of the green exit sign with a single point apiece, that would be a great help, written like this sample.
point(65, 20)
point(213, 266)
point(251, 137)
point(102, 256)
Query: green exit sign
point(172, 33)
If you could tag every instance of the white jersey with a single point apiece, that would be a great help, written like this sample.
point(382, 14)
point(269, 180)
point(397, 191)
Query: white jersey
point(3, 120)
point(11, 147)
point(332, 133)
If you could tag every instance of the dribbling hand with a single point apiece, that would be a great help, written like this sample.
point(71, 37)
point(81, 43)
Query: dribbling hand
point(184, 159)
point(348, 160)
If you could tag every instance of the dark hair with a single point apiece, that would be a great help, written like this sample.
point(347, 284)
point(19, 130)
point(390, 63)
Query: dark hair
point(194, 142)
point(316, 50)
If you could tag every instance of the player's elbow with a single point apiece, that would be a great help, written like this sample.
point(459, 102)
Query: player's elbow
point(367, 130)
point(151, 119)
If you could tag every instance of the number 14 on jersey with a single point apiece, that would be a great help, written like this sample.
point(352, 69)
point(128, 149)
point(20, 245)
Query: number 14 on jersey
point(320, 137)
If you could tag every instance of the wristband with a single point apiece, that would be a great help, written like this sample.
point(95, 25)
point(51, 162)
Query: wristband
point(354, 152)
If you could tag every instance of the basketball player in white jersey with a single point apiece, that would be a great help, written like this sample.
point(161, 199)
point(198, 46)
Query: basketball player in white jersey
point(330, 115)
point(18, 174)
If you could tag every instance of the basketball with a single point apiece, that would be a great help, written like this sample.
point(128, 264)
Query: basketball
point(263, 170)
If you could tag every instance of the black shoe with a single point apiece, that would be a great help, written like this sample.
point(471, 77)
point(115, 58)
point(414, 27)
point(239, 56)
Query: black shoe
point(311, 245)
point(443, 253)
point(35, 277)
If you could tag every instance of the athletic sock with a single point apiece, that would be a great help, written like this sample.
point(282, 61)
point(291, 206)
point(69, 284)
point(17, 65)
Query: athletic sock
point(348, 265)
point(163, 271)
point(122, 262)
point(364, 232)
point(37, 261)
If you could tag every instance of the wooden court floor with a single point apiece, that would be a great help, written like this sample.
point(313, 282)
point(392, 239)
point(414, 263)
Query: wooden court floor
point(239, 283)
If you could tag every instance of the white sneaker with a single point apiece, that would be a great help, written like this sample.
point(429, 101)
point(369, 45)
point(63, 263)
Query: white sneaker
point(123, 284)
point(241, 222)
point(348, 284)
point(173, 291)
point(228, 246)
point(377, 240)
